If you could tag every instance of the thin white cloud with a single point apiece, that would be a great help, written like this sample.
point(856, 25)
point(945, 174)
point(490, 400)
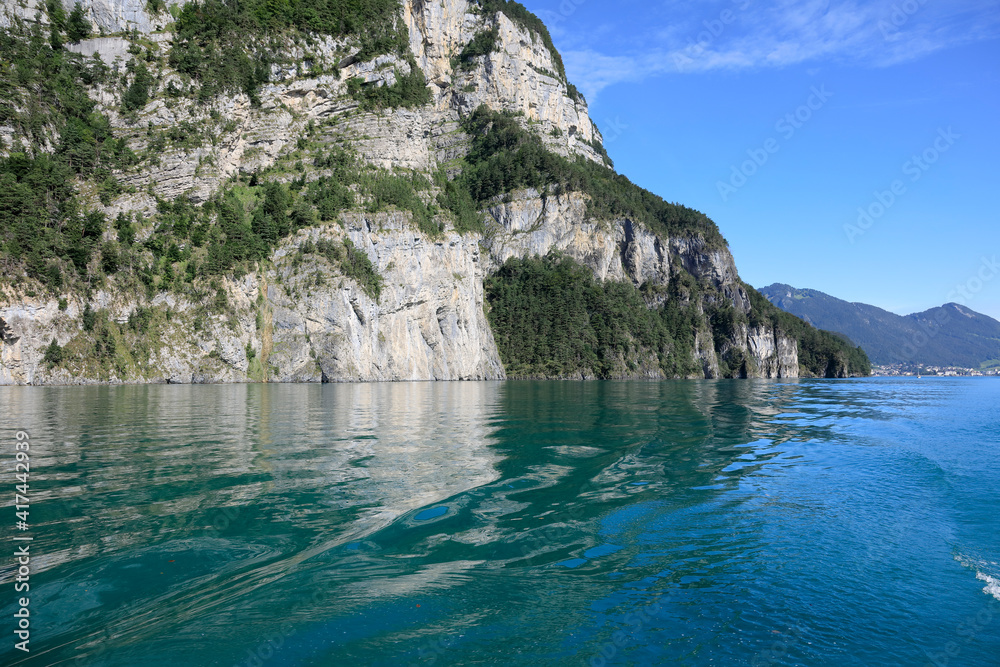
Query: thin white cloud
point(781, 33)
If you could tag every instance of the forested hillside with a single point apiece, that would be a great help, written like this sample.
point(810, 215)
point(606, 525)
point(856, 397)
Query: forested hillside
point(552, 319)
point(324, 190)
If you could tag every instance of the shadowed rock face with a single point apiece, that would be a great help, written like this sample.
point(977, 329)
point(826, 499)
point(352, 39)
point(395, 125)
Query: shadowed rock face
point(7, 337)
point(301, 320)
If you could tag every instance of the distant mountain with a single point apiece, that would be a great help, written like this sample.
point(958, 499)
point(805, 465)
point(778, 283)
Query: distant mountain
point(951, 335)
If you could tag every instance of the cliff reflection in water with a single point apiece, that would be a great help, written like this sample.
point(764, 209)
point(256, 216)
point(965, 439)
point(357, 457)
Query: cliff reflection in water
point(237, 484)
point(173, 521)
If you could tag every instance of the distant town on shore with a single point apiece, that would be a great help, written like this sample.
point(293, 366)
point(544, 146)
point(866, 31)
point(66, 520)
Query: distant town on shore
point(931, 371)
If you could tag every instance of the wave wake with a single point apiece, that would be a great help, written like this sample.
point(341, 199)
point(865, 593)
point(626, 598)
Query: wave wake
point(992, 583)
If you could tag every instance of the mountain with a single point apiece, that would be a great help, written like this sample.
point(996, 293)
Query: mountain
point(951, 335)
point(342, 190)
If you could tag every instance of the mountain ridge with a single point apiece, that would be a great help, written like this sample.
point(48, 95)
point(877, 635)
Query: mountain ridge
point(948, 335)
point(241, 196)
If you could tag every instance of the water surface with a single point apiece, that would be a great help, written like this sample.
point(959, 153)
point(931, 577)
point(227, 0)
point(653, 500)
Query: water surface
point(688, 523)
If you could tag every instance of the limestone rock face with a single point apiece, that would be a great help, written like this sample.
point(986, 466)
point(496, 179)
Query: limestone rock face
point(112, 50)
point(519, 76)
point(513, 78)
point(105, 15)
point(301, 319)
point(439, 29)
point(214, 350)
point(304, 322)
point(777, 356)
point(427, 324)
point(529, 225)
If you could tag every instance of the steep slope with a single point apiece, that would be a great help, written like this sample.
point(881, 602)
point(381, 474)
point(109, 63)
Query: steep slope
point(951, 335)
point(106, 16)
point(319, 192)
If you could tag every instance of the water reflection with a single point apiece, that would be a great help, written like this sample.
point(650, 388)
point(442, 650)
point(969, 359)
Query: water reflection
point(517, 523)
point(168, 501)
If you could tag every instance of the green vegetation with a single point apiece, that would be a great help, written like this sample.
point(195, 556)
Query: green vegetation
point(551, 318)
point(389, 190)
point(230, 234)
point(42, 89)
point(46, 228)
point(210, 47)
point(353, 263)
point(56, 13)
point(821, 353)
point(381, 189)
point(602, 151)
point(57, 21)
point(484, 43)
point(240, 226)
point(89, 318)
point(138, 92)
point(53, 354)
point(77, 26)
point(456, 199)
point(504, 157)
point(330, 197)
point(248, 225)
point(574, 93)
point(109, 349)
point(356, 264)
point(217, 41)
point(409, 90)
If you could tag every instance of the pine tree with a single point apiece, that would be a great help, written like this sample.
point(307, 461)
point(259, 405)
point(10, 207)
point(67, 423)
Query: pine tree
point(138, 92)
point(78, 27)
point(57, 15)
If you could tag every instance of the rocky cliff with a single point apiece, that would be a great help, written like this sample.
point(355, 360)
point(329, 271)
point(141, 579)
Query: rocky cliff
point(300, 315)
point(106, 16)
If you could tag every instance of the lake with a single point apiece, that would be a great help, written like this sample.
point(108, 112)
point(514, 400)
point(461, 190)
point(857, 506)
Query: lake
point(807, 522)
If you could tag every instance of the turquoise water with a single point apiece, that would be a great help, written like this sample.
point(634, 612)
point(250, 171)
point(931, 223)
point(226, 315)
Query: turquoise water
point(681, 523)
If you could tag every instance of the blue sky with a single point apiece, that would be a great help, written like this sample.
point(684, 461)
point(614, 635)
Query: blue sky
point(850, 147)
